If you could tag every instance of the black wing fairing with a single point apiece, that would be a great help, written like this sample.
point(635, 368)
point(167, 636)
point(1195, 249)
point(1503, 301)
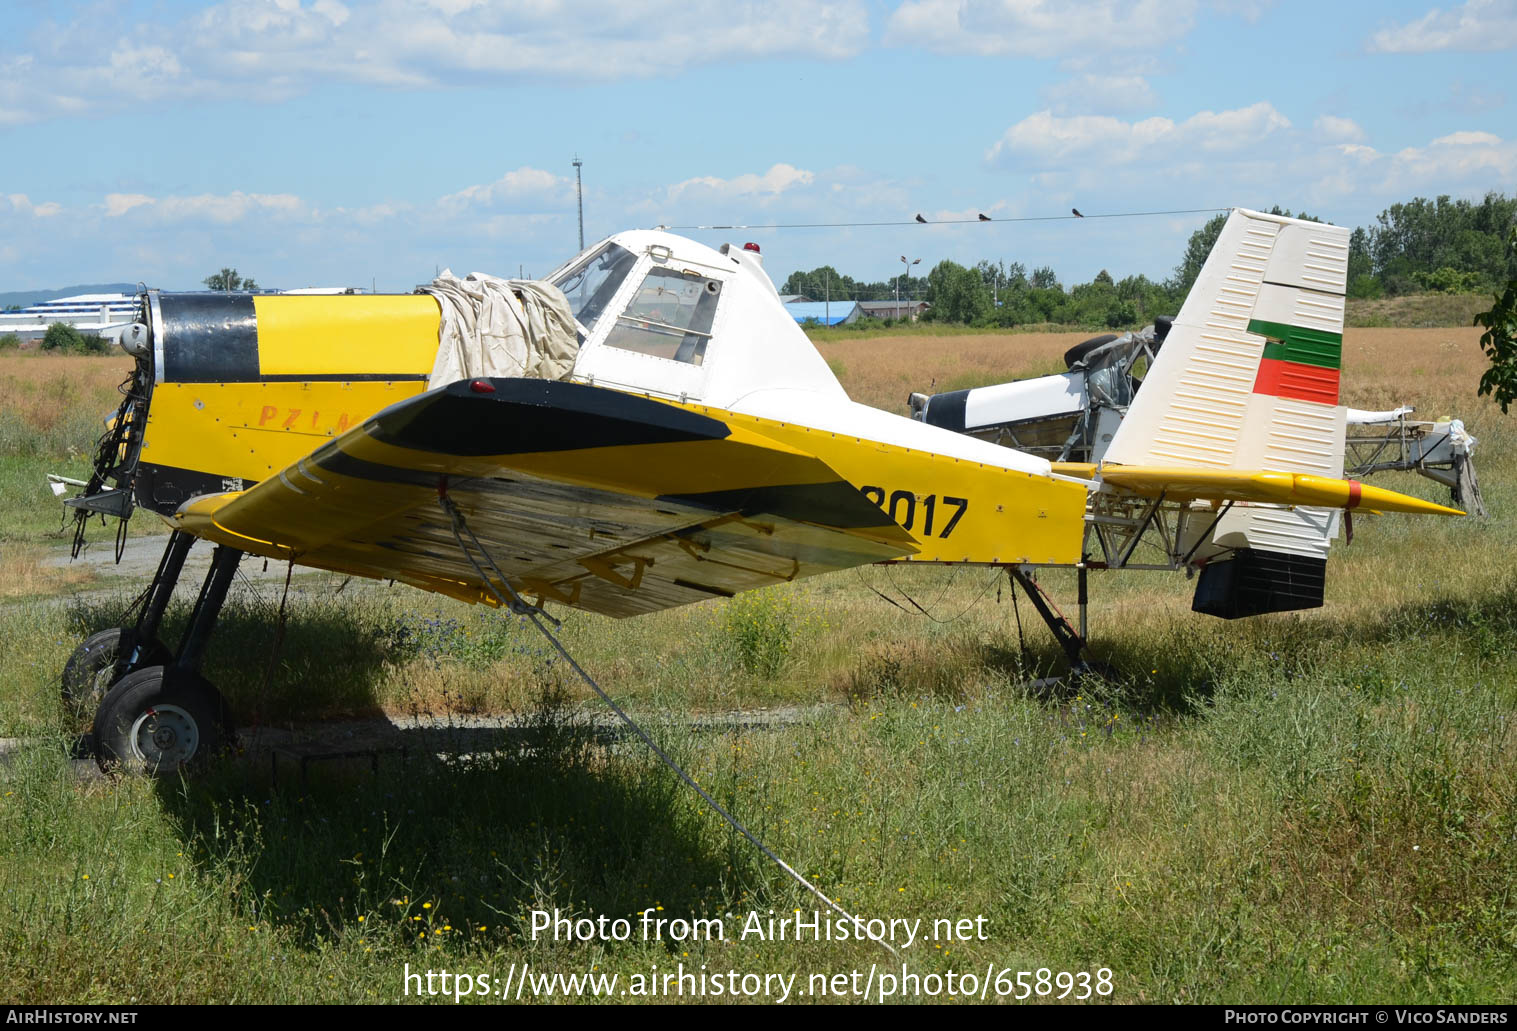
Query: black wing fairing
point(523, 416)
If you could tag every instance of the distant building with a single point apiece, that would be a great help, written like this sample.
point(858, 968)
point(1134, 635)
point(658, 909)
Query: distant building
point(794, 299)
point(902, 309)
point(834, 313)
point(102, 314)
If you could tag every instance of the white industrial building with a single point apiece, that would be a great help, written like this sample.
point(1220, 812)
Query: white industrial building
point(102, 314)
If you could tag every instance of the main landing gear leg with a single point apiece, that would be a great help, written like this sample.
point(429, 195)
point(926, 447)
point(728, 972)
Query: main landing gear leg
point(107, 656)
point(1072, 641)
point(157, 718)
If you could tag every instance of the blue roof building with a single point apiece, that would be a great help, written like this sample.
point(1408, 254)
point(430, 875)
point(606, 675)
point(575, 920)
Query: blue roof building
point(825, 313)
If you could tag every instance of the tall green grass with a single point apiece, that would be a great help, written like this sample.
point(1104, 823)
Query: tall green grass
point(1302, 807)
point(1287, 809)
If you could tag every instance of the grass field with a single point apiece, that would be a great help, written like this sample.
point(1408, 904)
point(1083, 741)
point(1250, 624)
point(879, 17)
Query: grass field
point(1306, 807)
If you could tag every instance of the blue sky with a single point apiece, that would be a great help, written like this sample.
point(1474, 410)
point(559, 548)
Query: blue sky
point(318, 142)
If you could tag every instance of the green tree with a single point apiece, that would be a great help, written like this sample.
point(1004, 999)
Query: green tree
point(1499, 341)
point(1121, 315)
point(60, 336)
point(1421, 236)
point(1361, 266)
point(1278, 210)
point(1448, 280)
point(1196, 250)
point(957, 294)
point(228, 281)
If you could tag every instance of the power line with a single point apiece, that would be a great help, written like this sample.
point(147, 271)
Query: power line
point(961, 221)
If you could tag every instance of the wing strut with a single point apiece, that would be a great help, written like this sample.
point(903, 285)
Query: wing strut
point(507, 597)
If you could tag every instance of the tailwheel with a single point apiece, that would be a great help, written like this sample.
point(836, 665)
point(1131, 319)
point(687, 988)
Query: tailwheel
point(1090, 669)
point(159, 719)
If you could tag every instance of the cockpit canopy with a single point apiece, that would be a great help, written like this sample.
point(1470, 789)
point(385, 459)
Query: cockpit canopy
point(665, 315)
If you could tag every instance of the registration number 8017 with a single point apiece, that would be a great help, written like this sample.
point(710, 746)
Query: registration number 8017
point(940, 513)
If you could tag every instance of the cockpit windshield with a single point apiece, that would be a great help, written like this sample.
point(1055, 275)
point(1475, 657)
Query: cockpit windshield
point(589, 286)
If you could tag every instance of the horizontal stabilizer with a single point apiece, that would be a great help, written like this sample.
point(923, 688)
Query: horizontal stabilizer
point(1184, 484)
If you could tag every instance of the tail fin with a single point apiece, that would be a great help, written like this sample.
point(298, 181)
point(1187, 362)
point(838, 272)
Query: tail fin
point(1248, 377)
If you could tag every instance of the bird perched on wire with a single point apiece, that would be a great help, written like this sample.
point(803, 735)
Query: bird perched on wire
point(921, 219)
point(984, 217)
point(1076, 212)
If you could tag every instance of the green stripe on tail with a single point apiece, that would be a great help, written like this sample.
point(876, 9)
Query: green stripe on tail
point(1299, 344)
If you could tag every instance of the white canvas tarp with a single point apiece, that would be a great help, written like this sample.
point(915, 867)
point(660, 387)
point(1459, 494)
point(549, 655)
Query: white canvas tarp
point(501, 327)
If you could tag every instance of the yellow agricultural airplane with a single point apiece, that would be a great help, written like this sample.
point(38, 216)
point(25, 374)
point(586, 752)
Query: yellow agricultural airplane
point(696, 445)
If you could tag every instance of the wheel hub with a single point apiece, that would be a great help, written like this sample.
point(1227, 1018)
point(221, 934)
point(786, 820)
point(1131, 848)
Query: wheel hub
point(165, 735)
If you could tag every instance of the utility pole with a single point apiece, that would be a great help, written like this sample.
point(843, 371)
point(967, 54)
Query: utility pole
point(579, 191)
point(908, 265)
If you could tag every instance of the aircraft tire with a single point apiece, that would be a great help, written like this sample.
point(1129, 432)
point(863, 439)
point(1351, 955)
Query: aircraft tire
point(87, 672)
point(156, 721)
point(1084, 347)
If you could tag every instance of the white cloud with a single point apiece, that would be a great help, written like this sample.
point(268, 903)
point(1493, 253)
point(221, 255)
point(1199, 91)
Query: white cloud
point(118, 204)
point(525, 184)
point(1338, 130)
point(204, 207)
point(22, 204)
point(1477, 25)
point(275, 49)
point(1045, 140)
point(1467, 139)
point(1467, 163)
point(777, 180)
point(1038, 28)
point(1456, 158)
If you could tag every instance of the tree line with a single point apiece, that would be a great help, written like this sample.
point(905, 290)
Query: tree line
point(1443, 245)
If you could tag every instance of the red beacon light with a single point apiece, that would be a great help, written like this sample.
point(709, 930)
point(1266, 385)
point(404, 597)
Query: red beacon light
point(482, 386)
point(751, 246)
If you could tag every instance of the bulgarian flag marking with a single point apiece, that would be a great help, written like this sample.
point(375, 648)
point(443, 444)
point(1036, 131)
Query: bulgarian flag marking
point(1298, 363)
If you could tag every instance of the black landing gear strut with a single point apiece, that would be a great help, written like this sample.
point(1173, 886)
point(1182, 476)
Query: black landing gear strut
point(153, 711)
point(1073, 642)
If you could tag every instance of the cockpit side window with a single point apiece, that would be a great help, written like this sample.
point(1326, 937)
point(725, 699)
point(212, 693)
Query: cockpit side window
point(670, 316)
point(590, 286)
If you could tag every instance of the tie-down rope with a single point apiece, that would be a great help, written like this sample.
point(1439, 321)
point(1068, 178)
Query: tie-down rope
point(516, 604)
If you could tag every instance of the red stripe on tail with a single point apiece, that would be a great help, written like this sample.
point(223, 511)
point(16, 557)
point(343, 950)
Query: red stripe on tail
point(1297, 381)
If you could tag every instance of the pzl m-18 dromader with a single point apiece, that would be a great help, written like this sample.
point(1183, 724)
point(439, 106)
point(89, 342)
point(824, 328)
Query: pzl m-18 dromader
point(694, 445)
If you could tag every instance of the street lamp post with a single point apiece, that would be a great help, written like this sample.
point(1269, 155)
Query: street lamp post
point(906, 272)
point(579, 192)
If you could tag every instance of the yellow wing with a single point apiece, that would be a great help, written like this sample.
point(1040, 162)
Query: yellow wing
point(596, 499)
